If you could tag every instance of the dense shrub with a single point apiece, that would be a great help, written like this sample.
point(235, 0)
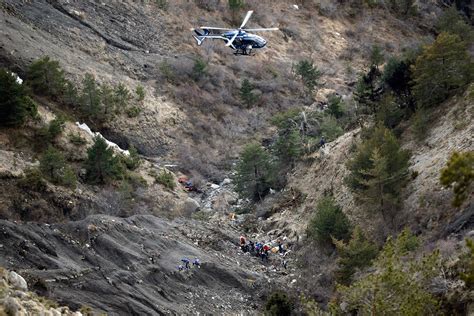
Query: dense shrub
point(400, 284)
point(453, 22)
point(32, 180)
point(199, 69)
point(459, 175)
point(140, 92)
point(328, 222)
point(466, 265)
point(403, 8)
point(357, 254)
point(166, 179)
point(247, 95)
point(278, 304)
point(101, 164)
point(330, 128)
point(161, 4)
point(235, 6)
point(133, 111)
point(442, 68)
point(420, 124)
point(132, 161)
point(45, 77)
point(378, 171)
point(55, 127)
point(15, 104)
point(77, 139)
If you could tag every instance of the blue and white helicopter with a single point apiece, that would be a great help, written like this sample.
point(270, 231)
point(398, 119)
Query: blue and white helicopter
point(237, 39)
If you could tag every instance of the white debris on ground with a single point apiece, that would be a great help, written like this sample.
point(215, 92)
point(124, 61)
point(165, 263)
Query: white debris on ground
point(296, 7)
point(17, 78)
point(116, 147)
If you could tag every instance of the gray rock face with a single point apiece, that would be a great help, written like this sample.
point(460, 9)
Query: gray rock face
point(129, 266)
point(11, 305)
point(17, 281)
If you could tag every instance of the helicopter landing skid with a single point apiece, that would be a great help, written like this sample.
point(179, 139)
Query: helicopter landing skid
point(244, 52)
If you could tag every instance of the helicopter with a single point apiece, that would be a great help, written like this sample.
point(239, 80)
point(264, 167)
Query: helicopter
point(240, 40)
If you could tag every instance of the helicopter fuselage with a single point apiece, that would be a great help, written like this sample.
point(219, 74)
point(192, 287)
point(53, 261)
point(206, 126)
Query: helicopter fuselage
point(244, 40)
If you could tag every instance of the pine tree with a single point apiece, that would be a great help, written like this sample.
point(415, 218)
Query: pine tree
point(108, 99)
point(403, 7)
point(15, 105)
point(254, 173)
point(246, 93)
point(368, 91)
point(308, 73)
point(235, 6)
point(288, 147)
point(401, 283)
point(376, 180)
point(46, 77)
point(90, 97)
point(358, 253)
point(376, 56)
point(459, 174)
point(389, 114)
point(398, 77)
point(378, 172)
point(454, 23)
point(71, 95)
point(441, 69)
point(122, 96)
point(330, 128)
point(335, 106)
point(101, 164)
point(328, 223)
point(52, 164)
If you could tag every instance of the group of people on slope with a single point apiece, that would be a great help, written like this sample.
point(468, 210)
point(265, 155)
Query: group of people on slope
point(186, 264)
point(262, 250)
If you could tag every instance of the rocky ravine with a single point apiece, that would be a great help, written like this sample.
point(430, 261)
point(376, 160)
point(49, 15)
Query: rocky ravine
point(128, 266)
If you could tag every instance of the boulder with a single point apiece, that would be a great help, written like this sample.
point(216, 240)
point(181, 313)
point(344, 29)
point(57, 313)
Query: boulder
point(11, 306)
point(17, 281)
point(190, 206)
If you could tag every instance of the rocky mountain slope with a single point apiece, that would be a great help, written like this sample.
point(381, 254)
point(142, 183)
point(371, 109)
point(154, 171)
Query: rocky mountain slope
point(116, 249)
point(129, 266)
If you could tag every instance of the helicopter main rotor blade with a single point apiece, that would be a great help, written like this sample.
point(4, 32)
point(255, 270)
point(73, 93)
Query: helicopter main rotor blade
point(215, 28)
point(261, 30)
point(247, 17)
point(232, 39)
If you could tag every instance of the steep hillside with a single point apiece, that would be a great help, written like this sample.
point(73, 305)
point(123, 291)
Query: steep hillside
point(102, 222)
point(427, 205)
point(184, 120)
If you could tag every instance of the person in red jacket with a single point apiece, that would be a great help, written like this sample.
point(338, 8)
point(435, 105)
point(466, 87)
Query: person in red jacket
point(243, 245)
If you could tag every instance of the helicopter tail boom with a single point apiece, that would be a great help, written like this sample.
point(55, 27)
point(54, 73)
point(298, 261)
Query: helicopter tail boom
point(200, 35)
